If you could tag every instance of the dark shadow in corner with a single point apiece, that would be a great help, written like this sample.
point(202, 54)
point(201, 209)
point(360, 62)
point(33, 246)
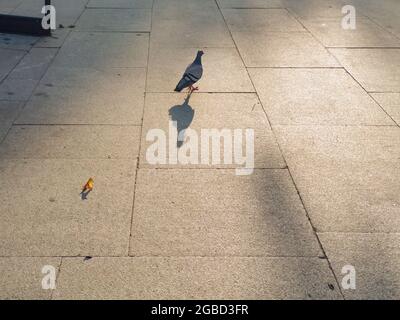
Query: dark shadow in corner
point(183, 115)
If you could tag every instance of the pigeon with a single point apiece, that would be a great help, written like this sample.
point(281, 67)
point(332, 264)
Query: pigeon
point(192, 74)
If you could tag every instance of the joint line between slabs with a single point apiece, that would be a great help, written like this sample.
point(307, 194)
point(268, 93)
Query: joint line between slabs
point(141, 129)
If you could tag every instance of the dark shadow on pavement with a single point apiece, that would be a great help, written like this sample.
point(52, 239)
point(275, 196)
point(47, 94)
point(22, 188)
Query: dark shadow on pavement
point(183, 116)
point(84, 194)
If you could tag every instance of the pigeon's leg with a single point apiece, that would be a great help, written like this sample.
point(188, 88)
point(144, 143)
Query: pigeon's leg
point(191, 88)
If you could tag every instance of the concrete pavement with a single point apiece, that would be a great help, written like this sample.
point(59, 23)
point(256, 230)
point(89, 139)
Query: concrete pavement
point(324, 104)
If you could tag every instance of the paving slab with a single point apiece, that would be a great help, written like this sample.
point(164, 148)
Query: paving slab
point(223, 70)
point(375, 69)
point(177, 8)
point(121, 81)
point(315, 96)
point(65, 105)
point(282, 49)
point(8, 60)
point(34, 64)
point(375, 257)
point(51, 219)
point(389, 21)
point(7, 6)
point(16, 41)
point(261, 20)
point(21, 278)
point(386, 14)
point(126, 4)
point(3, 131)
point(205, 28)
point(103, 49)
point(71, 142)
point(390, 102)
point(122, 20)
point(210, 111)
point(67, 12)
point(348, 177)
point(17, 89)
point(198, 278)
point(250, 3)
point(215, 213)
point(56, 40)
point(87, 96)
point(315, 8)
point(367, 33)
point(9, 110)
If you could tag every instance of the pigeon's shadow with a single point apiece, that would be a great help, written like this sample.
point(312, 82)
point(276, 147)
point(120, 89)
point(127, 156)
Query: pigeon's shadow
point(183, 116)
point(84, 194)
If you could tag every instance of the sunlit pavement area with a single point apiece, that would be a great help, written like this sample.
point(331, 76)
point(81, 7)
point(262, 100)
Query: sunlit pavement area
point(324, 103)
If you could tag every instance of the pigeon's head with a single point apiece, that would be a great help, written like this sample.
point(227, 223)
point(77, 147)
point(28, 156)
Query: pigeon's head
point(200, 53)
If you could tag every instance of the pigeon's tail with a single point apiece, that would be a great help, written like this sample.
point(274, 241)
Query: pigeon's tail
point(183, 83)
point(178, 89)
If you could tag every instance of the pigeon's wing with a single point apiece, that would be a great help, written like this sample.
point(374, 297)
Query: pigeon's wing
point(184, 83)
point(194, 71)
point(192, 74)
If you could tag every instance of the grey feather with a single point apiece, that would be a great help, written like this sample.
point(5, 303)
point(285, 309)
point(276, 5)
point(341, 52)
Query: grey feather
point(192, 74)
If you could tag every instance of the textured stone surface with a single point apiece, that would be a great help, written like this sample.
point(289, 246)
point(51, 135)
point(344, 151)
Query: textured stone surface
point(121, 81)
point(125, 4)
point(56, 40)
point(3, 131)
point(72, 105)
point(317, 96)
point(8, 60)
point(386, 14)
point(366, 34)
point(215, 213)
point(87, 96)
point(124, 20)
point(375, 69)
point(9, 110)
point(348, 177)
point(282, 49)
point(196, 231)
point(103, 49)
point(16, 41)
point(7, 6)
point(196, 278)
point(71, 142)
point(205, 28)
point(17, 89)
point(250, 3)
point(315, 8)
point(51, 219)
point(34, 64)
point(210, 111)
point(259, 21)
point(391, 103)
point(21, 278)
point(375, 258)
point(67, 11)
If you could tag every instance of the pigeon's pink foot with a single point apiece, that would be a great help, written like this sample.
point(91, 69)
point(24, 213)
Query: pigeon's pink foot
point(191, 89)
